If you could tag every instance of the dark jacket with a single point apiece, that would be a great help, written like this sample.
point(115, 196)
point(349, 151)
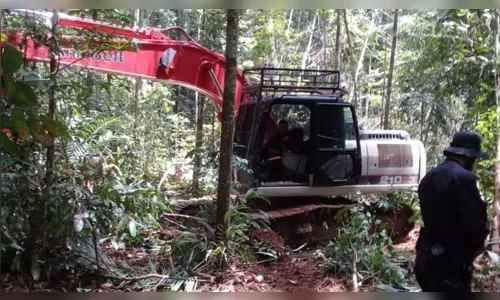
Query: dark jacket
point(453, 212)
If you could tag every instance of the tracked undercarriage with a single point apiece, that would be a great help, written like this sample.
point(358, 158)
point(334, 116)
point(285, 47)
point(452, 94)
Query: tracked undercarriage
point(302, 220)
point(311, 220)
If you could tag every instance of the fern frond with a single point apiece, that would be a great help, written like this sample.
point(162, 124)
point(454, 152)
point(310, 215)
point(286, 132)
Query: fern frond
point(91, 130)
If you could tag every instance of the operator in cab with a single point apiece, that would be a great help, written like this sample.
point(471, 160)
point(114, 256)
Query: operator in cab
point(455, 219)
point(275, 145)
point(272, 152)
point(282, 130)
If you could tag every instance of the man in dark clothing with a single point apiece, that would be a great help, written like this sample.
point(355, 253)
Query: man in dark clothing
point(455, 219)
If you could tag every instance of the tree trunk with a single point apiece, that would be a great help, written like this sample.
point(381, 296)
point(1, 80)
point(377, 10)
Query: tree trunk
point(52, 99)
point(353, 71)
point(226, 147)
point(391, 70)
point(384, 89)
point(305, 56)
point(138, 22)
point(289, 22)
point(199, 110)
point(177, 99)
point(496, 233)
point(496, 202)
point(369, 94)
point(337, 40)
point(299, 23)
point(50, 160)
point(200, 106)
point(362, 57)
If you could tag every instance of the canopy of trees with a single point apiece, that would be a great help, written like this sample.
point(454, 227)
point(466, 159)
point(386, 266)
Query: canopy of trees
point(91, 161)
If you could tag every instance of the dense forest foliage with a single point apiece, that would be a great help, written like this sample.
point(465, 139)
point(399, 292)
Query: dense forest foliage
point(90, 162)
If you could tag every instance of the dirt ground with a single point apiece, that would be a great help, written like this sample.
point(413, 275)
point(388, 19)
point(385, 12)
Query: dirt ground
point(294, 272)
point(297, 272)
point(288, 276)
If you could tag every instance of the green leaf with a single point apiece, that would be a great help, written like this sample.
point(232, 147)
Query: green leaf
point(8, 146)
point(20, 124)
point(122, 223)
point(16, 246)
point(35, 267)
point(493, 257)
point(38, 131)
point(132, 228)
point(26, 94)
point(12, 59)
point(19, 93)
point(6, 122)
point(115, 245)
point(55, 128)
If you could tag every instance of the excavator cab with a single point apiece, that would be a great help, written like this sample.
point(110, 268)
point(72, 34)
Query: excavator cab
point(318, 144)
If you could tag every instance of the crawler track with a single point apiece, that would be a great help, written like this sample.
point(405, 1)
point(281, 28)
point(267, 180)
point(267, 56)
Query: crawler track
point(313, 220)
point(305, 219)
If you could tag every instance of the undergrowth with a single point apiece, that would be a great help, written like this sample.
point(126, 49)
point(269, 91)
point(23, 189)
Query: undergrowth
point(362, 255)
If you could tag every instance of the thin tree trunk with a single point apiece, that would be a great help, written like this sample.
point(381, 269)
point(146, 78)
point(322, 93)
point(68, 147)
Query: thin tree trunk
point(180, 22)
point(299, 23)
point(52, 99)
point(384, 89)
point(391, 70)
point(308, 48)
point(226, 147)
point(50, 160)
point(422, 115)
point(353, 71)
point(289, 22)
point(337, 40)
point(361, 58)
point(305, 56)
point(177, 99)
point(287, 33)
point(369, 96)
point(496, 202)
point(138, 22)
point(199, 108)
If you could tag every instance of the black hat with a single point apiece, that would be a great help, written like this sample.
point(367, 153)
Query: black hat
point(467, 144)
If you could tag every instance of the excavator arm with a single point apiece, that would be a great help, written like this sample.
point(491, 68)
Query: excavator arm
point(169, 55)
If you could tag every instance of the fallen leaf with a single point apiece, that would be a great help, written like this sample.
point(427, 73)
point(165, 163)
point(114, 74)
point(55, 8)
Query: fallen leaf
point(107, 285)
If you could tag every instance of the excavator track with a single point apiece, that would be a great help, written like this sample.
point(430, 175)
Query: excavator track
point(300, 220)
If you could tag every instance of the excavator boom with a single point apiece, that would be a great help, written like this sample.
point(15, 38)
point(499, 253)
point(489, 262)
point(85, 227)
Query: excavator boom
point(158, 57)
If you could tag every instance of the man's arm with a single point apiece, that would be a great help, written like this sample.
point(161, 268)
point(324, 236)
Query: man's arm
point(472, 214)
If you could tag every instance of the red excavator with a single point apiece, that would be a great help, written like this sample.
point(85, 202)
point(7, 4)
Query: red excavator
point(301, 174)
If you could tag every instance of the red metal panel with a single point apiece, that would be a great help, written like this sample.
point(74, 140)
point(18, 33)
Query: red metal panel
point(188, 67)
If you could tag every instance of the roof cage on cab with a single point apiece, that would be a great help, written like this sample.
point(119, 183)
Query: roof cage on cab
point(273, 80)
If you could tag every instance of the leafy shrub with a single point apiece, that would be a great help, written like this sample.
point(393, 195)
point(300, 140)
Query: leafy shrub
point(357, 250)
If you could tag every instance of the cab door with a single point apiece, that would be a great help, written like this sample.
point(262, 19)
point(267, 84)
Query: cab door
point(337, 155)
